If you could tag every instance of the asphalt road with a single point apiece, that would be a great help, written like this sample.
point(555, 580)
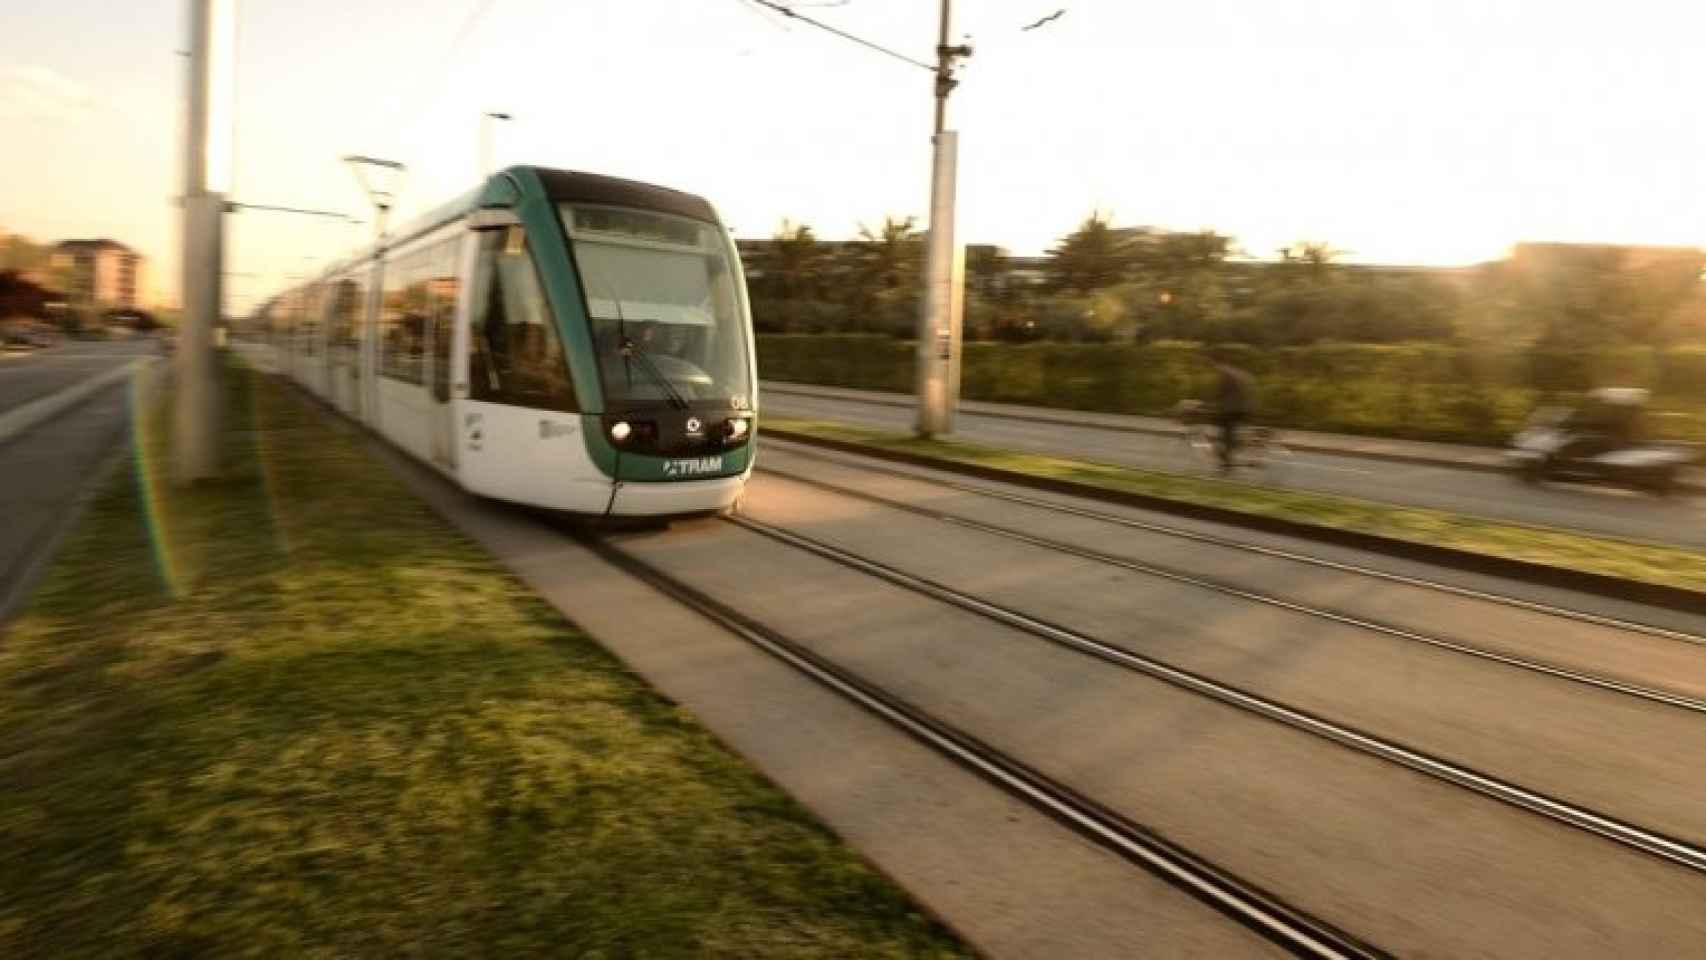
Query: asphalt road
point(1678, 520)
point(30, 376)
point(44, 472)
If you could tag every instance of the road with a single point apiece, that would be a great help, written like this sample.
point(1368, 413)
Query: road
point(29, 376)
point(45, 470)
point(1679, 520)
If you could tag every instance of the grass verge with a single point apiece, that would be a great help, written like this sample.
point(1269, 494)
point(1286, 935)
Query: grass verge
point(293, 713)
point(1653, 563)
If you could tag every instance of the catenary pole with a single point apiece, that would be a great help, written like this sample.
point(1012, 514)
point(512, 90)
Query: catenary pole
point(940, 319)
point(207, 169)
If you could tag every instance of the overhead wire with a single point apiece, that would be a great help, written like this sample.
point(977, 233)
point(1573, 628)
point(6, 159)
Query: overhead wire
point(751, 6)
point(791, 13)
point(433, 72)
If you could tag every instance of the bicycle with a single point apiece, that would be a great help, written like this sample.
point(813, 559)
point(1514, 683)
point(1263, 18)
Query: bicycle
point(1258, 446)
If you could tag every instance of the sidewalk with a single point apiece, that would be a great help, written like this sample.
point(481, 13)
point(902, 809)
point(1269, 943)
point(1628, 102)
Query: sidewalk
point(1373, 448)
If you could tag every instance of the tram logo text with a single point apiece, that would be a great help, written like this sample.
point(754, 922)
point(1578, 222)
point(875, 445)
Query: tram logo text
point(696, 467)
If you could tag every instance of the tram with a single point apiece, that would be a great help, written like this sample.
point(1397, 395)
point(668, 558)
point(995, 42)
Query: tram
point(565, 340)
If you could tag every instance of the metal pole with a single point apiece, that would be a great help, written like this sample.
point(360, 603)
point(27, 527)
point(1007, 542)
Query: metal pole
point(195, 454)
point(938, 318)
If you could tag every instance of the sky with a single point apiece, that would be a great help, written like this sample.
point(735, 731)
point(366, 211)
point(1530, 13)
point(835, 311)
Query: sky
point(1407, 131)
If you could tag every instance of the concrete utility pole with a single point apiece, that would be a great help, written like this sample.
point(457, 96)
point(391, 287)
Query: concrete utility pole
point(939, 321)
point(207, 173)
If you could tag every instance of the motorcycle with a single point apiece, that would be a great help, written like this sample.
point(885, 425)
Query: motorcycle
point(1604, 440)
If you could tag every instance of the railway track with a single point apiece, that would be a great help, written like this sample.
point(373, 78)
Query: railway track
point(1292, 929)
point(1639, 691)
point(1582, 818)
point(1195, 536)
point(1247, 903)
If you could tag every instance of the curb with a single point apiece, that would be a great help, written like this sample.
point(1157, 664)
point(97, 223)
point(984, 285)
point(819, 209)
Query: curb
point(1065, 421)
point(1664, 596)
point(15, 423)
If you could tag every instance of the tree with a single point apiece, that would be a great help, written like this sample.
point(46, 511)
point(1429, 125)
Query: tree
point(20, 297)
point(1310, 259)
point(1573, 296)
point(795, 261)
point(22, 255)
point(1089, 258)
point(1178, 288)
point(792, 272)
point(891, 256)
point(883, 274)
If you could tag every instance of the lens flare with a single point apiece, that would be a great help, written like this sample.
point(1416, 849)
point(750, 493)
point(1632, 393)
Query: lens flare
point(147, 447)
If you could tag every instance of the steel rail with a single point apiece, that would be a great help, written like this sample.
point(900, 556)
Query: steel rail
point(1653, 694)
point(1290, 928)
point(1532, 606)
point(1611, 828)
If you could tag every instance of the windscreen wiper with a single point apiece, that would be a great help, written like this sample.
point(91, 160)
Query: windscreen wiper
point(632, 350)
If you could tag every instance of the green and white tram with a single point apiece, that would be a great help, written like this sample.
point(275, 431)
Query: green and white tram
point(565, 340)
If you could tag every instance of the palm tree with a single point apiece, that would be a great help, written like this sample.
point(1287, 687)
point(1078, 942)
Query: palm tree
point(795, 262)
point(891, 256)
point(1314, 256)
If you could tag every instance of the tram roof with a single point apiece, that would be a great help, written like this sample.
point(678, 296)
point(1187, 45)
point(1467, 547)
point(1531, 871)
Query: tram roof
point(572, 186)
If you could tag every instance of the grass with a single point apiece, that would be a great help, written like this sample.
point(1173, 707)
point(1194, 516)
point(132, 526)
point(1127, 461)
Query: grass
point(293, 713)
point(1656, 563)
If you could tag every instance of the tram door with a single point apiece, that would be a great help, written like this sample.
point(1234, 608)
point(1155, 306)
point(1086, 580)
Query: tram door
point(446, 300)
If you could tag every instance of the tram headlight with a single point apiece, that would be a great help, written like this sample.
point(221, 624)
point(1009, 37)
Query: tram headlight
point(620, 431)
point(738, 428)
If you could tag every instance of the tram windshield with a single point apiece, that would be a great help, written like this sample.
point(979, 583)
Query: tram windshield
point(664, 306)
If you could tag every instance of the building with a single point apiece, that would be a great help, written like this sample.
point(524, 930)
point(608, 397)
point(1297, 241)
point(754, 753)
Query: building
point(99, 274)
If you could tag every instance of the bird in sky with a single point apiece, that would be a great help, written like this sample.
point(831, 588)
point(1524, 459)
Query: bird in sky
point(1053, 16)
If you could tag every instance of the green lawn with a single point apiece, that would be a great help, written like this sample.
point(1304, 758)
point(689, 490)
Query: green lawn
point(1622, 558)
point(292, 713)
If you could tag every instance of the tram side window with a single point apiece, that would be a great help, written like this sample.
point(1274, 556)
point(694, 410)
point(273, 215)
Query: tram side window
point(346, 311)
point(298, 323)
point(403, 319)
point(442, 285)
point(311, 310)
point(515, 352)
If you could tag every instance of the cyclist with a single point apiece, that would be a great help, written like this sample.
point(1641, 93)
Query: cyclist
point(1234, 402)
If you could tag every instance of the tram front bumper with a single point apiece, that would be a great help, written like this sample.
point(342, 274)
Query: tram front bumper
point(662, 499)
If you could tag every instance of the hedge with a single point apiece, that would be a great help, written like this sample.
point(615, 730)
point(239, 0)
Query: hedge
point(1413, 391)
